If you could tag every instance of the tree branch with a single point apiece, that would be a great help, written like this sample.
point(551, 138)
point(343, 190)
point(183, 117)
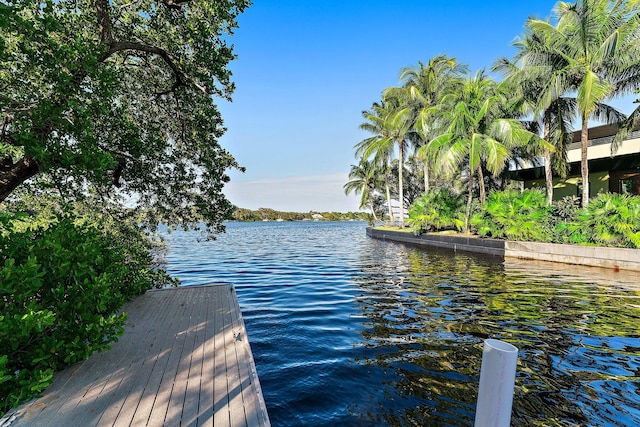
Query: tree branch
point(105, 28)
point(180, 76)
point(104, 22)
point(175, 4)
point(14, 174)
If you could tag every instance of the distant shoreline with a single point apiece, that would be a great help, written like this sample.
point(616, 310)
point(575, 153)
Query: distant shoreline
point(272, 215)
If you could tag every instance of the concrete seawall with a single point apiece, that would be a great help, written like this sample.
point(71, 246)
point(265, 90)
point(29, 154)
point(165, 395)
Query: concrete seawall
point(595, 256)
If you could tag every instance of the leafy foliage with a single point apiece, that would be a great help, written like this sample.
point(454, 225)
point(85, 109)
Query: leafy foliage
point(365, 181)
point(595, 42)
point(563, 213)
point(478, 134)
point(439, 209)
point(609, 220)
point(62, 285)
point(117, 96)
point(514, 215)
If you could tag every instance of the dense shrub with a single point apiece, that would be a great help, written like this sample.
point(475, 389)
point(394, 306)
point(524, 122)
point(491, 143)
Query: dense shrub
point(608, 220)
point(565, 209)
point(62, 285)
point(436, 210)
point(564, 212)
point(514, 215)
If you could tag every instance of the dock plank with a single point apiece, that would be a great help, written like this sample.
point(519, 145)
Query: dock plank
point(184, 360)
point(221, 399)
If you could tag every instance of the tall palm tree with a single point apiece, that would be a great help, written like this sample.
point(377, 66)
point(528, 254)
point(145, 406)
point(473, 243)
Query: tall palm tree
point(381, 157)
point(475, 135)
point(391, 122)
point(364, 180)
point(532, 78)
point(423, 88)
point(591, 37)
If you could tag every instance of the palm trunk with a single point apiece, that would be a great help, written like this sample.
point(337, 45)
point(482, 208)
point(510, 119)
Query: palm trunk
point(548, 177)
point(548, 173)
point(469, 200)
point(427, 186)
point(391, 220)
point(400, 188)
point(584, 139)
point(373, 212)
point(483, 191)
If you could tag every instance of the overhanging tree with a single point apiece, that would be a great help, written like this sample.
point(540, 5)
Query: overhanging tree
point(117, 96)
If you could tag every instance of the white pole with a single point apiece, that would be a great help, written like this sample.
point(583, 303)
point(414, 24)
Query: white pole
point(497, 378)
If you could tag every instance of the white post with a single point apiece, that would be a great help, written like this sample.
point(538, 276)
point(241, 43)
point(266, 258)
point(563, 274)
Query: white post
point(497, 379)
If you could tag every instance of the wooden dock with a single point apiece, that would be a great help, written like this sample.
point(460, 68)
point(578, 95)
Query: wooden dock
point(184, 360)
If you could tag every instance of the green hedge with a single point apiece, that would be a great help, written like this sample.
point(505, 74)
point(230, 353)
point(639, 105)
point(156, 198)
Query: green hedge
point(437, 210)
point(609, 219)
point(514, 215)
point(62, 286)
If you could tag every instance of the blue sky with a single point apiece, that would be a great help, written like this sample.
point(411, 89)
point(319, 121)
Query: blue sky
point(306, 70)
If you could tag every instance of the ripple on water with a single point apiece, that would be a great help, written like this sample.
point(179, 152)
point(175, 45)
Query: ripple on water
point(347, 330)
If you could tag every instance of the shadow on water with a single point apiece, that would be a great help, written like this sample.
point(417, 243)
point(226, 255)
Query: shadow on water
point(429, 312)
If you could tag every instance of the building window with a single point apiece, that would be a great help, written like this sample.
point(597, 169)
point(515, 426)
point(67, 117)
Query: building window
point(579, 189)
point(625, 186)
point(625, 182)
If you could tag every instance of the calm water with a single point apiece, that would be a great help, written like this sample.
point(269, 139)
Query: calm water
point(348, 330)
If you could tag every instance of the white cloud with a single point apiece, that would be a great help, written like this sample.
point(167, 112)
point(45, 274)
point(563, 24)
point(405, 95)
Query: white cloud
point(293, 194)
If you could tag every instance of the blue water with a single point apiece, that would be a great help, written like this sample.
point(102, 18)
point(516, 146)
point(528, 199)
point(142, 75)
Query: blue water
point(348, 330)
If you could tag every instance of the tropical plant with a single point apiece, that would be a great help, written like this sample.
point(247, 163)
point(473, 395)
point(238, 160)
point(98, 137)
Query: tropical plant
point(531, 77)
point(382, 157)
point(422, 90)
point(411, 181)
point(594, 40)
point(564, 212)
point(514, 215)
point(609, 220)
point(436, 210)
point(475, 135)
point(364, 180)
point(390, 122)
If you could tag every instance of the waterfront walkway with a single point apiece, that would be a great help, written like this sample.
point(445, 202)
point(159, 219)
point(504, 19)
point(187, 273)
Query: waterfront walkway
point(184, 360)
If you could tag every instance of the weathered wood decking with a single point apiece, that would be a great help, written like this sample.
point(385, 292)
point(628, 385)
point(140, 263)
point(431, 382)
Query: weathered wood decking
point(184, 360)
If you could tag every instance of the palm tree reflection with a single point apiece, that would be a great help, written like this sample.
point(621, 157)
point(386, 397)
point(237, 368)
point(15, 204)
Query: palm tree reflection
point(428, 312)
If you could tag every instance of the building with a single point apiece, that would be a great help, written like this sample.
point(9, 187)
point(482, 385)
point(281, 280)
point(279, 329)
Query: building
point(618, 173)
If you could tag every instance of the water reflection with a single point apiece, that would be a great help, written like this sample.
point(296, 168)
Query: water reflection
point(429, 312)
point(348, 330)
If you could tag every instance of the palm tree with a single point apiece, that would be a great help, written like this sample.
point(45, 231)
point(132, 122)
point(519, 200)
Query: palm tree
point(391, 122)
point(423, 88)
point(364, 180)
point(534, 82)
point(592, 38)
point(475, 135)
point(382, 155)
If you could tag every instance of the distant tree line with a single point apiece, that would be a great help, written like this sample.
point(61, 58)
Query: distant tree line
point(248, 215)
